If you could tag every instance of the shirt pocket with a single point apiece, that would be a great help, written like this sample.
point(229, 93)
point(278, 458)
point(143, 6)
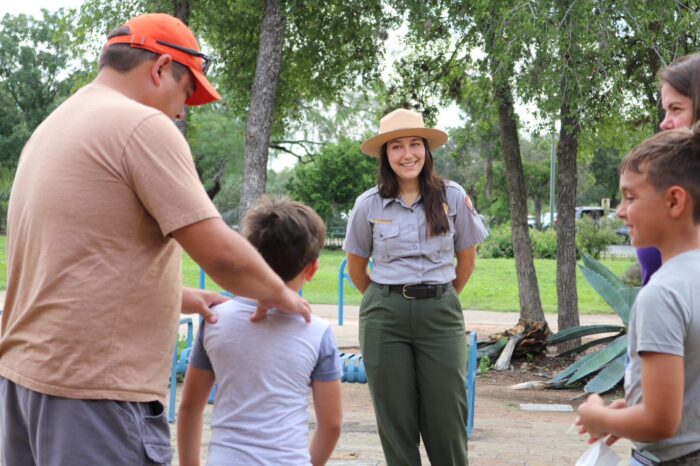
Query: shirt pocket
point(441, 248)
point(387, 244)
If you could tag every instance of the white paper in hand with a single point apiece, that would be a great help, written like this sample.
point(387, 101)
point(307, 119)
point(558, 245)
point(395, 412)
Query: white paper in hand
point(599, 454)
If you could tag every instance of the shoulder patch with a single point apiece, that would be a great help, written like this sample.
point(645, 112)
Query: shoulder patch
point(468, 204)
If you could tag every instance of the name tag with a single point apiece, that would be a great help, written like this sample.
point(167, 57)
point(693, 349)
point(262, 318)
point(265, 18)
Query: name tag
point(382, 221)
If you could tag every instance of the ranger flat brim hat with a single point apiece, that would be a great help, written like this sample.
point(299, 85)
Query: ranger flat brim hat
point(401, 123)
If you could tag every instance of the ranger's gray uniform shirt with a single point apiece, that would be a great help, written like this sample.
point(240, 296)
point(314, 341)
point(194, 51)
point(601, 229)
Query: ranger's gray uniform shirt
point(395, 235)
point(666, 319)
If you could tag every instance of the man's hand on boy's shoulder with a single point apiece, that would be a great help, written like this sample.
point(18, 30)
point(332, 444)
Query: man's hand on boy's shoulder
point(200, 302)
point(290, 302)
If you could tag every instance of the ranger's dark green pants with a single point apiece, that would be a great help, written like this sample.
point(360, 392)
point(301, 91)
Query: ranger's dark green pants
point(415, 356)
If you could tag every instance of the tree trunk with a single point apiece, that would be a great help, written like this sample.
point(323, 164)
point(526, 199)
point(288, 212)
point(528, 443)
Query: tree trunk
point(567, 148)
point(528, 289)
point(262, 105)
point(486, 153)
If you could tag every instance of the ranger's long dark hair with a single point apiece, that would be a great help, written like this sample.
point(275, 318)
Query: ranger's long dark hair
point(432, 190)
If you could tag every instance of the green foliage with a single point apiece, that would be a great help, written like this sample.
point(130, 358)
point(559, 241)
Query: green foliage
point(594, 237)
point(608, 361)
point(500, 244)
point(217, 139)
point(328, 48)
point(484, 365)
point(544, 243)
point(331, 180)
point(36, 75)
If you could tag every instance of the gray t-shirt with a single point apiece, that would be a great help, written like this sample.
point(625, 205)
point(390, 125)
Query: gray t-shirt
point(264, 372)
point(395, 235)
point(666, 319)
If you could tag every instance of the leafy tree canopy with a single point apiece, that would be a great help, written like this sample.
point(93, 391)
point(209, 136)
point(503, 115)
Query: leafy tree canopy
point(331, 180)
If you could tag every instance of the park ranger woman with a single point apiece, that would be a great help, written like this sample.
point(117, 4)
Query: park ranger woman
point(413, 224)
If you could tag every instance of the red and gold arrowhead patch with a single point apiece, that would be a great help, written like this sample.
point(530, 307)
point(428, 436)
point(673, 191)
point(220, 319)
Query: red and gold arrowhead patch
point(468, 204)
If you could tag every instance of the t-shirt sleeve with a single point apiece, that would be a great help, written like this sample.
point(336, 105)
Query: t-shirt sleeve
point(358, 239)
point(161, 171)
point(199, 357)
point(469, 229)
point(328, 366)
point(661, 320)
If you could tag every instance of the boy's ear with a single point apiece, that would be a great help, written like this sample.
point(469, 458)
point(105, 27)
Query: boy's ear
point(678, 201)
point(311, 270)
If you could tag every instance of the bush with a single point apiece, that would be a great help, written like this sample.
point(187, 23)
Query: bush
point(633, 275)
point(594, 237)
point(499, 244)
point(544, 243)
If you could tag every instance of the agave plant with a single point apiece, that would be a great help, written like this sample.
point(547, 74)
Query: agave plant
point(608, 363)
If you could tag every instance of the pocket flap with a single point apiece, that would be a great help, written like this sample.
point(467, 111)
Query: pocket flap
point(158, 453)
point(387, 231)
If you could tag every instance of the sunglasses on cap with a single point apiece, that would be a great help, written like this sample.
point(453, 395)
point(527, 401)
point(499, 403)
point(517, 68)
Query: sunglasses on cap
point(206, 61)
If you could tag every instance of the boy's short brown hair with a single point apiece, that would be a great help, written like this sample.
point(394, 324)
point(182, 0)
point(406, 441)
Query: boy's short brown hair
point(288, 234)
point(670, 158)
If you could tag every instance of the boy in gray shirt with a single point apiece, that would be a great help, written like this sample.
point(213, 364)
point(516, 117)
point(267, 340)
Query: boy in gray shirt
point(660, 185)
point(266, 370)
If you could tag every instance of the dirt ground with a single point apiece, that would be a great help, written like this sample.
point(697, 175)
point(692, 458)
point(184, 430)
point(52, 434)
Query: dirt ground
point(503, 433)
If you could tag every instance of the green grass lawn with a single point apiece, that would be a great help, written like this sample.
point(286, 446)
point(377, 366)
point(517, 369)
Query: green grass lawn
point(493, 287)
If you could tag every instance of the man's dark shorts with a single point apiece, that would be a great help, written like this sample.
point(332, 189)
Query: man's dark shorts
point(45, 430)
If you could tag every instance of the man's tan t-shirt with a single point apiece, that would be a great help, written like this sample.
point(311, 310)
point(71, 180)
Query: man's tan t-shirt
point(94, 281)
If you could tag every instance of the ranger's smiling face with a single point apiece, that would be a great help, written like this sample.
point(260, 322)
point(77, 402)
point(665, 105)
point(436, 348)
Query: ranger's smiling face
point(406, 156)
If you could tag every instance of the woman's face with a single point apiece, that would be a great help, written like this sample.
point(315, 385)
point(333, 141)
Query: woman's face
point(678, 108)
point(406, 157)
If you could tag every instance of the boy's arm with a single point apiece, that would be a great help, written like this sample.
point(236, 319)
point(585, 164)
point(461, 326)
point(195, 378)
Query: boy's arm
point(329, 419)
point(198, 385)
point(658, 416)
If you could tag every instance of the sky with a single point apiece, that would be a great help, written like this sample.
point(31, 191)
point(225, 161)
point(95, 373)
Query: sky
point(449, 117)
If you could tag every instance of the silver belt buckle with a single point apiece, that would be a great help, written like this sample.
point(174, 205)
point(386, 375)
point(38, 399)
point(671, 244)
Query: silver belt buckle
point(403, 291)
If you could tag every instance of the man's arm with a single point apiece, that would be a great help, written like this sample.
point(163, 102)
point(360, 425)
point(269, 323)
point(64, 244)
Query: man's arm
point(466, 263)
point(329, 420)
point(659, 415)
point(236, 266)
point(198, 385)
point(357, 271)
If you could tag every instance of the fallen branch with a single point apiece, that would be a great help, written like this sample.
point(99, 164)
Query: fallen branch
point(503, 362)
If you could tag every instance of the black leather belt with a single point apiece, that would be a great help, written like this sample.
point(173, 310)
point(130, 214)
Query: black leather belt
point(419, 290)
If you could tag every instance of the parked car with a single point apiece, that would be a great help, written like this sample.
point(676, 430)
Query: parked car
point(624, 233)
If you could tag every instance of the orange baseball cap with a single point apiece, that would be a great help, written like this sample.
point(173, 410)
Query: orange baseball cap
point(164, 34)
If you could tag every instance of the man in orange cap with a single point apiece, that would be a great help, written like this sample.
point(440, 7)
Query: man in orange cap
point(105, 190)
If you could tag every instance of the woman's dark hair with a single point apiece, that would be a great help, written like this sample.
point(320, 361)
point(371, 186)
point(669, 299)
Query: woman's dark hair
point(684, 76)
point(432, 190)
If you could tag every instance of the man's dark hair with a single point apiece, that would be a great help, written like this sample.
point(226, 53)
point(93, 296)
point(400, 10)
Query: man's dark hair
point(124, 58)
point(670, 158)
point(288, 234)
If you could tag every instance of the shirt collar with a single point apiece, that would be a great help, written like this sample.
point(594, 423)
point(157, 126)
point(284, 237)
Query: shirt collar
point(387, 200)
